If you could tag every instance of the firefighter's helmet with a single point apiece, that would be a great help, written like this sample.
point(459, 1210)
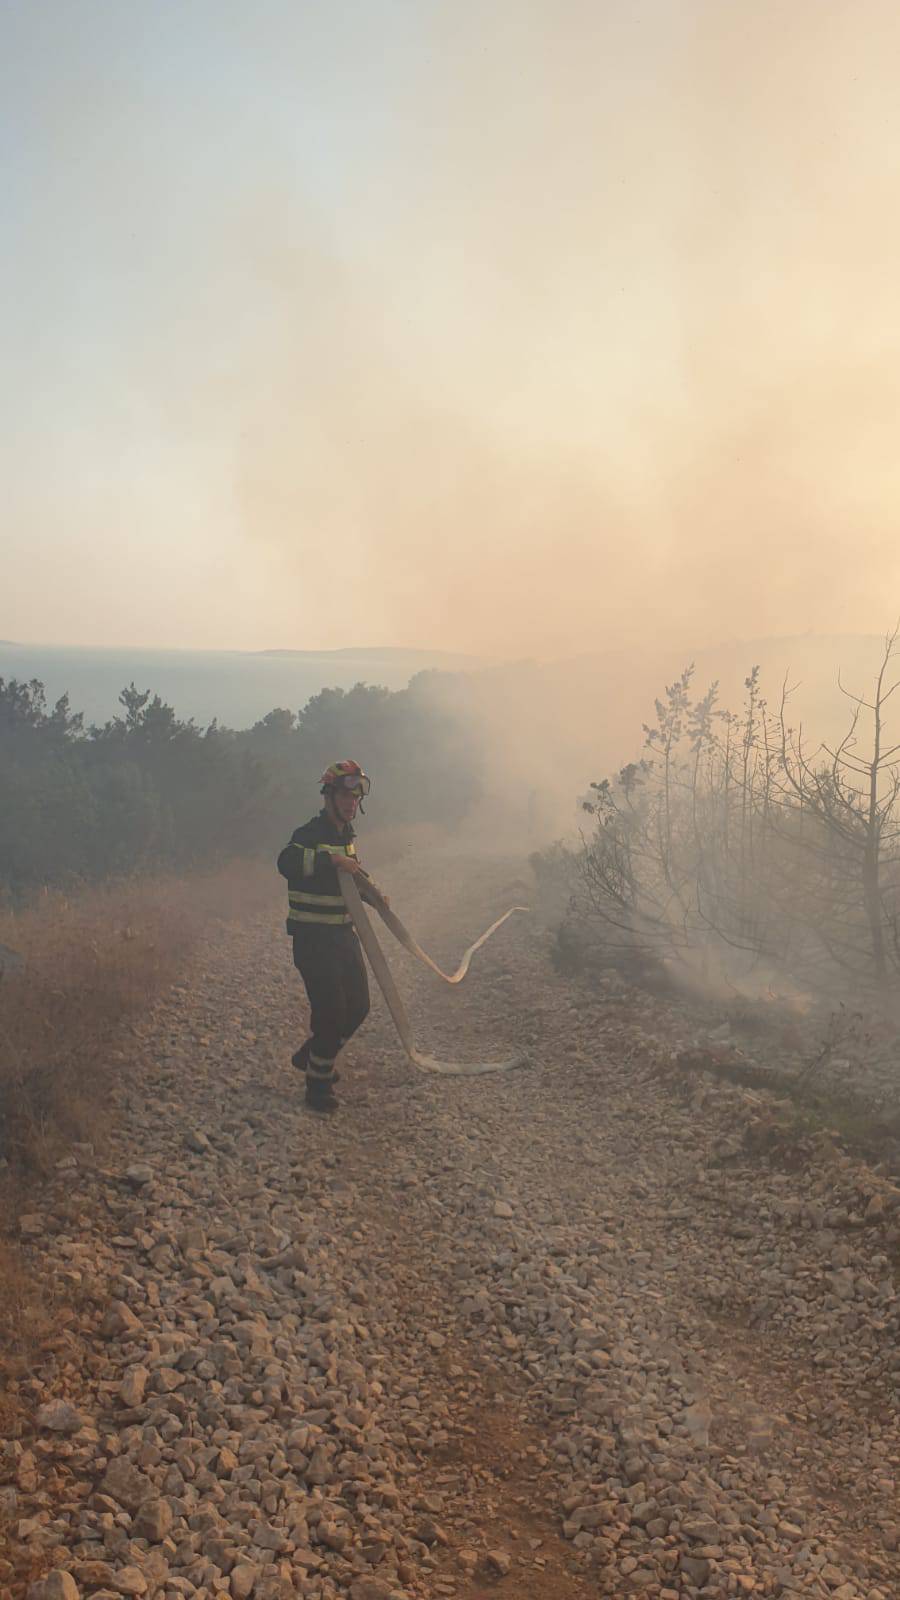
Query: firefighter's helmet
point(346, 775)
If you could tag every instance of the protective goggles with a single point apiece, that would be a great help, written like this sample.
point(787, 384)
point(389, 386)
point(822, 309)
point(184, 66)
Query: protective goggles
point(356, 782)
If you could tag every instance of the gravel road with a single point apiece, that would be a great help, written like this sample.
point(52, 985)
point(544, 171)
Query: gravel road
point(584, 1329)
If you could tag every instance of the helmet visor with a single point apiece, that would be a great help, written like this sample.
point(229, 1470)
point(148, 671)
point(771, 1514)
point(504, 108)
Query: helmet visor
point(356, 782)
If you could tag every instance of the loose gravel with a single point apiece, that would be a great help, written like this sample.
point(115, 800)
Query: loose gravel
point(587, 1329)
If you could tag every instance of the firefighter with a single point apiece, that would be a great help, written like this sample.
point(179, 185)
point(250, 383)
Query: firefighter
point(327, 952)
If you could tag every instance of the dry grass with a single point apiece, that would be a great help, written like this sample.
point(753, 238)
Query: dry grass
point(92, 963)
point(26, 1308)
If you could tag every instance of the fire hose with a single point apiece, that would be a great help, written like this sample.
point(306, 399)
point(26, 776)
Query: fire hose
point(382, 971)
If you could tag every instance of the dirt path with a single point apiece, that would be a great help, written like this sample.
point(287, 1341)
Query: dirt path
point(561, 1333)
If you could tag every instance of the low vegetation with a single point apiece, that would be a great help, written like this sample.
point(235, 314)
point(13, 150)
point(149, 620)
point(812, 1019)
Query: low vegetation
point(734, 852)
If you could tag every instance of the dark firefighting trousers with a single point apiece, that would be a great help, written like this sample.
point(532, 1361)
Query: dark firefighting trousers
point(331, 965)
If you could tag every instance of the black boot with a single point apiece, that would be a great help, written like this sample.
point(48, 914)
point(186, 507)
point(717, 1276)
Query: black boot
point(300, 1057)
point(320, 1095)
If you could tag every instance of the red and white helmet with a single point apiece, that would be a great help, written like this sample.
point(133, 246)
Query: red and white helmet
point(346, 775)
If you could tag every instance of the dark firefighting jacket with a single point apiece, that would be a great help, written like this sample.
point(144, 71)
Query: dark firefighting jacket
point(314, 894)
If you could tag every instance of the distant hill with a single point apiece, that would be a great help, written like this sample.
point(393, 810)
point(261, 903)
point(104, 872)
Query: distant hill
point(451, 659)
point(238, 687)
point(549, 727)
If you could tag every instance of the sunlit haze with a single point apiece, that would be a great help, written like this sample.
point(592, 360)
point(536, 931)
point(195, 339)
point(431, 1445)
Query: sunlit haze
point(513, 328)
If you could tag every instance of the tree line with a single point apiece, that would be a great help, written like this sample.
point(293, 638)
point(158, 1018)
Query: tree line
point(150, 791)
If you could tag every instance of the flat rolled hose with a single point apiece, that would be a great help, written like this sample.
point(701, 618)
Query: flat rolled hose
point(369, 942)
point(406, 939)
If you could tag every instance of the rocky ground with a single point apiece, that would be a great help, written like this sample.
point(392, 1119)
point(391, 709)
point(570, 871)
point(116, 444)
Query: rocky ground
point(597, 1327)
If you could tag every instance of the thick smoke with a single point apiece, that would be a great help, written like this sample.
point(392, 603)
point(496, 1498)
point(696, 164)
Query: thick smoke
point(508, 329)
point(619, 364)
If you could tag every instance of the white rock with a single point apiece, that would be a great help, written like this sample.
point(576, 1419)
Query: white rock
point(130, 1581)
point(243, 1577)
point(58, 1416)
point(57, 1585)
point(133, 1386)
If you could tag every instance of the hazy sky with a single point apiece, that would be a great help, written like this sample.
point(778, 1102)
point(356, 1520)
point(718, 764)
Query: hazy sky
point(518, 326)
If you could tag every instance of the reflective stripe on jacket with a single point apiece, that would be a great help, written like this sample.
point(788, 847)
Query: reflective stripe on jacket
point(314, 893)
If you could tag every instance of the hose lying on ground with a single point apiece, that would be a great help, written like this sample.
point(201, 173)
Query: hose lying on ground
point(389, 989)
point(406, 939)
